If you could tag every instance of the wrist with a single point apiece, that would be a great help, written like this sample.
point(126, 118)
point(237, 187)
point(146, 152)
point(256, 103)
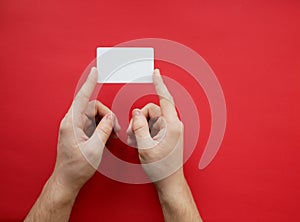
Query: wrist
point(171, 186)
point(60, 194)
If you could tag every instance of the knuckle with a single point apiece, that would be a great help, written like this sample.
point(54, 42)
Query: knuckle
point(104, 130)
point(96, 103)
point(65, 124)
point(138, 127)
point(149, 105)
point(152, 107)
point(176, 128)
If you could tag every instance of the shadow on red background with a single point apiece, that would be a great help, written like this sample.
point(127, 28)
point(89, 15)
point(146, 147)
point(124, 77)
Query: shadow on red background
point(253, 47)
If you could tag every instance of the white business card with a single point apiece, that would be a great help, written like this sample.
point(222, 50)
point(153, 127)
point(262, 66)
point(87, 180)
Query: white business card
point(125, 64)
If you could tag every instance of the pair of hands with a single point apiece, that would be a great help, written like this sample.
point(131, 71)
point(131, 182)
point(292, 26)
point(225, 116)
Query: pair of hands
point(155, 130)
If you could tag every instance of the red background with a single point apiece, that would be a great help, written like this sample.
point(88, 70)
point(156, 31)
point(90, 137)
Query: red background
point(253, 47)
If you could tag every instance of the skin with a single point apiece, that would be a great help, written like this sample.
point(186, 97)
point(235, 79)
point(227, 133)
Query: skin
point(163, 146)
point(155, 130)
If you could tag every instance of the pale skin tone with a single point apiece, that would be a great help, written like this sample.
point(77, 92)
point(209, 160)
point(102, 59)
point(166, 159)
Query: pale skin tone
point(155, 130)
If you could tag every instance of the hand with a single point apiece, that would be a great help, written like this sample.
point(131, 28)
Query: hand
point(80, 139)
point(158, 134)
point(159, 140)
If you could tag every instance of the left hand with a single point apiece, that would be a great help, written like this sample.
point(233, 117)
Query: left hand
point(80, 139)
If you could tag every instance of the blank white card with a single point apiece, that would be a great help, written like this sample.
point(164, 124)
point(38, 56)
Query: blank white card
point(125, 64)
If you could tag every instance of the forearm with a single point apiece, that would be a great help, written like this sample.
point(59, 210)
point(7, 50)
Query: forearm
point(176, 199)
point(54, 204)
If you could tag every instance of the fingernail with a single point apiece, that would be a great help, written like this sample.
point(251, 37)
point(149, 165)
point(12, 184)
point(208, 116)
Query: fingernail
point(93, 71)
point(136, 112)
point(109, 116)
point(156, 71)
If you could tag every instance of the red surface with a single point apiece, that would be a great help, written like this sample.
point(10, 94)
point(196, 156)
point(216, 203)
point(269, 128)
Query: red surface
point(253, 47)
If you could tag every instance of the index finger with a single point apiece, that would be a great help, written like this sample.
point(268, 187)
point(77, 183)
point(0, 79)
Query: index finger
point(82, 98)
point(165, 98)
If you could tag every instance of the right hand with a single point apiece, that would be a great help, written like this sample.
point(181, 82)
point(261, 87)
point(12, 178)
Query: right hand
point(159, 140)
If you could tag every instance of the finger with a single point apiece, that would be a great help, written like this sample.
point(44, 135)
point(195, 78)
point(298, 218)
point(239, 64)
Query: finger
point(104, 128)
point(131, 141)
point(93, 113)
point(129, 129)
point(89, 127)
point(160, 135)
point(151, 110)
point(157, 125)
point(95, 107)
point(165, 98)
point(83, 96)
point(140, 129)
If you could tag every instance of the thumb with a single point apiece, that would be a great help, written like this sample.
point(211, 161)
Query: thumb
point(94, 146)
point(140, 129)
point(104, 128)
